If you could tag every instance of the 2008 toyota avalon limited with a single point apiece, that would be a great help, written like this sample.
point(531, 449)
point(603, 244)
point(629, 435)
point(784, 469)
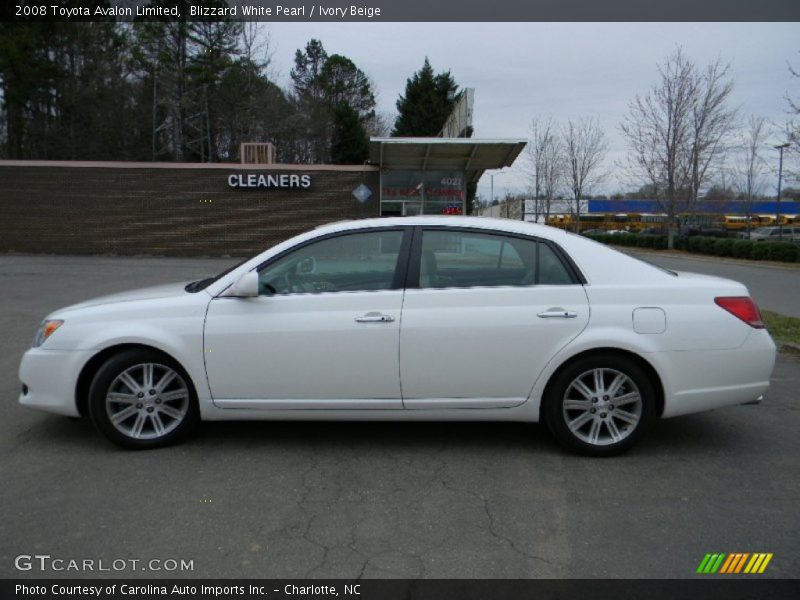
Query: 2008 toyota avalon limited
point(427, 318)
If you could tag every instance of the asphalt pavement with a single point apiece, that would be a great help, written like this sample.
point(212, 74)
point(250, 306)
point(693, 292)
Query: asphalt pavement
point(419, 500)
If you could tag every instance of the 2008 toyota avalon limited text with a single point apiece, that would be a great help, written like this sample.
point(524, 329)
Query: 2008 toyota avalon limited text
point(423, 318)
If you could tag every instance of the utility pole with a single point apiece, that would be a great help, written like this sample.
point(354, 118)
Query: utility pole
point(780, 147)
point(491, 179)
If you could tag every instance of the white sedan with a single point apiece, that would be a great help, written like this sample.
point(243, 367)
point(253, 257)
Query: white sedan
point(425, 318)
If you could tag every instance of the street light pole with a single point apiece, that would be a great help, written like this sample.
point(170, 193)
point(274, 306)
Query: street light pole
point(491, 179)
point(780, 147)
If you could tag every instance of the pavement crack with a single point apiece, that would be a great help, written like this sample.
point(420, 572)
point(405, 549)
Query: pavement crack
point(492, 529)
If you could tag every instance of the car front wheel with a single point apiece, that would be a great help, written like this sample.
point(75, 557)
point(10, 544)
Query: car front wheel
point(140, 399)
point(600, 406)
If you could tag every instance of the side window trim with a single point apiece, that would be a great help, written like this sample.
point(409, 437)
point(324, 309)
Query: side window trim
point(538, 265)
point(415, 254)
point(566, 260)
point(401, 268)
point(414, 259)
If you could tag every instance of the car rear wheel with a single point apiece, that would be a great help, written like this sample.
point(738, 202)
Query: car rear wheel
point(141, 399)
point(600, 406)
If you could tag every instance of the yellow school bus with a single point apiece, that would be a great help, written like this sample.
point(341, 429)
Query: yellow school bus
point(736, 222)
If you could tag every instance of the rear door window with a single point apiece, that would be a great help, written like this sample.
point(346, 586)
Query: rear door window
point(455, 258)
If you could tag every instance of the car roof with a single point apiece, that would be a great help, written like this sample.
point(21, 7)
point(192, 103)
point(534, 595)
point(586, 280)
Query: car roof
point(507, 225)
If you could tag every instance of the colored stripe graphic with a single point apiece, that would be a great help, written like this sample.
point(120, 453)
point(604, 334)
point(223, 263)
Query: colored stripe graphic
point(734, 563)
point(711, 563)
point(740, 563)
point(727, 564)
point(764, 564)
point(754, 563)
point(731, 563)
point(703, 563)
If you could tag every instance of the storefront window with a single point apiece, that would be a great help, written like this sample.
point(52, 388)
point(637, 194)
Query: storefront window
point(420, 192)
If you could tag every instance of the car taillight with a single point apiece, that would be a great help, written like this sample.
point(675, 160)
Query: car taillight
point(742, 307)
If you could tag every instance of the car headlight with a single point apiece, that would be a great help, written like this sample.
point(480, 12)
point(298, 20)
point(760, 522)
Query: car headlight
point(46, 329)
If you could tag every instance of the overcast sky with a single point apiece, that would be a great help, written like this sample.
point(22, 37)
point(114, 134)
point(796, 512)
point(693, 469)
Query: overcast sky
point(562, 70)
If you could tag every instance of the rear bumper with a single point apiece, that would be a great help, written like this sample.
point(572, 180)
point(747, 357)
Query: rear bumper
point(50, 377)
point(708, 379)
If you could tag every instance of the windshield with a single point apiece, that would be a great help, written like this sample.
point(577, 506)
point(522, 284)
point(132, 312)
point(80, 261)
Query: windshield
point(202, 284)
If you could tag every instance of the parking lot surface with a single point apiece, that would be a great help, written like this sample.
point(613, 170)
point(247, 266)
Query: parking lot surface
point(419, 500)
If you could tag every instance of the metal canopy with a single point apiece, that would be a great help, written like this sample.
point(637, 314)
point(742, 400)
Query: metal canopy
point(473, 156)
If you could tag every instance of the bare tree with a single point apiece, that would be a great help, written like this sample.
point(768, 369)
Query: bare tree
point(751, 169)
point(543, 151)
point(584, 149)
point(163, 53)
point(712, 122)
point(793, 126)
point(255, 46)
point(552, 175)
point(379, 124)
point(661, 130)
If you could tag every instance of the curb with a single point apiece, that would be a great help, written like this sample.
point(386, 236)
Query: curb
point(789, 348)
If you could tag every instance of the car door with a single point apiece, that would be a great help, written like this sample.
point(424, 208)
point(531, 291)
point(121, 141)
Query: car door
point(323, 332)
point(483, 314)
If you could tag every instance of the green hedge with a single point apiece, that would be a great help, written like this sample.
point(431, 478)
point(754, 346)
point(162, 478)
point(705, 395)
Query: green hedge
point(753, 250)
point(643, 240)
point(742, 249)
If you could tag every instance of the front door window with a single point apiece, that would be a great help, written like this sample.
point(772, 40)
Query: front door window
point(345, 263)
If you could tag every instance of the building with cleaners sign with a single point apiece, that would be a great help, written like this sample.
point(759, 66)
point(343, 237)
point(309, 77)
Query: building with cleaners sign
point(234, 209)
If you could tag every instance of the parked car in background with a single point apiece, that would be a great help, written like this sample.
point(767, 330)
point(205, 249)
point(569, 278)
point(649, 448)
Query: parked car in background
point(787, 233)
point(416, 318)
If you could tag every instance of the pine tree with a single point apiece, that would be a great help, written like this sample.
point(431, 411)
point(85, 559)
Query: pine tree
point(428, 101)
point(342, 82)
point(331, 95)
point(349, 143)
point(307, 68)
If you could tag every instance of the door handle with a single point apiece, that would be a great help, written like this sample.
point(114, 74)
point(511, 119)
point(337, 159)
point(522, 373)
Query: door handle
point(375, 317)
point(557, 313)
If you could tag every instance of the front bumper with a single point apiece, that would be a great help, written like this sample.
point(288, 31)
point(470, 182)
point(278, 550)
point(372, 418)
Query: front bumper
point(51, 377)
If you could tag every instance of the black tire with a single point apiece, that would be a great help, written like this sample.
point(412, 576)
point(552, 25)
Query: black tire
point(175, 411)
point(614, 435)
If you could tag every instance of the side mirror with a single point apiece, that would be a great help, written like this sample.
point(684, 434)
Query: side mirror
point(245, 287)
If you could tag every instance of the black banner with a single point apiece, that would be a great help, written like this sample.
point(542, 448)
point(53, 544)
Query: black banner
point(733, 588)
point(405, 10)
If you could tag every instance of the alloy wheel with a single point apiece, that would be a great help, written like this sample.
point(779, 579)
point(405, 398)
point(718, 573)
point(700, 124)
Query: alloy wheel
point(602, 406)
point(147, 401)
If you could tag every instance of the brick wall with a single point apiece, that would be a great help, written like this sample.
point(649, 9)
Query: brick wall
point(83, 208)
